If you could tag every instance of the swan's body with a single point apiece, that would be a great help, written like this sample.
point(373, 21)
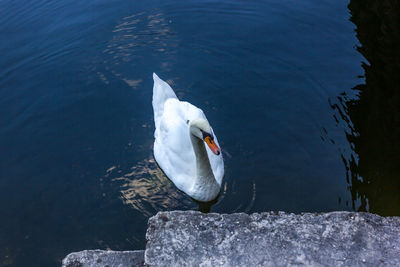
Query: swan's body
point(179, 149)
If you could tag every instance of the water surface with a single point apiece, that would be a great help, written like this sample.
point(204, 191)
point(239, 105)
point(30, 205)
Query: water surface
point(76, 125)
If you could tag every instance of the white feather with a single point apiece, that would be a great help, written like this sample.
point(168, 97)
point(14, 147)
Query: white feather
point(173, 148)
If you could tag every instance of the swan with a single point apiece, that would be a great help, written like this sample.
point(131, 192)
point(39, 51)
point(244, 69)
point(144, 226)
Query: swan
point(181, 132)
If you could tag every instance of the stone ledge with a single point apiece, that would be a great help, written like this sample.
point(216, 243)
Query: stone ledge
point(98, 258)
point(190, 238)
point(272, 239)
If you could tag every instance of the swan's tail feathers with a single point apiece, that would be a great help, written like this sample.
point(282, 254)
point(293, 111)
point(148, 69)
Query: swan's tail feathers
point(162, 89)
point(161, 92)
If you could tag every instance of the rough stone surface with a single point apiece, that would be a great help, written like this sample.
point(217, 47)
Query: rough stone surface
point(272, 239)
point(103, 258)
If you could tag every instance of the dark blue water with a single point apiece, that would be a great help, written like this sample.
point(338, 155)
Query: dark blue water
point(76, 121)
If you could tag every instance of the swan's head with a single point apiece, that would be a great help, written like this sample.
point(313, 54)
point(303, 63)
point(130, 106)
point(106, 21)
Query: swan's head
point(202, 130)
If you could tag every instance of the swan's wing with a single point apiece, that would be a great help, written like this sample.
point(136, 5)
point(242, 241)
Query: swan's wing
point(161, 92)
point(173, 149)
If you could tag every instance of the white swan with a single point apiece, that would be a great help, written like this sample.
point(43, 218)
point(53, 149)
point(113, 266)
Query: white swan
point(181, 130)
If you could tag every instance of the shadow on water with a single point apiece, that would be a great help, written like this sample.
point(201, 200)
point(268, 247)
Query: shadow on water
point(205, 207)
point(373, 118)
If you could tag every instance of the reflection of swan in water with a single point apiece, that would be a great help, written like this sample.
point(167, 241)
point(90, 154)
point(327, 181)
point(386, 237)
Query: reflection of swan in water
point(146, 188)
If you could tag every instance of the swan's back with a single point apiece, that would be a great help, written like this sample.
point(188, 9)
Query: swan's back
point(173, 149)
point(161, 92)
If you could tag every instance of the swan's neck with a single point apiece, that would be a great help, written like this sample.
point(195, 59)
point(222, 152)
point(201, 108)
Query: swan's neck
point(205, 185)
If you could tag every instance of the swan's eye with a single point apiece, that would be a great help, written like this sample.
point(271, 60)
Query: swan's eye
point(205, 135)
point(187, 122)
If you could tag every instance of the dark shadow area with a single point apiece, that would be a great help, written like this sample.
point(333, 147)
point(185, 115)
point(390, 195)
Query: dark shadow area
point(373, 118)
point(205, 207)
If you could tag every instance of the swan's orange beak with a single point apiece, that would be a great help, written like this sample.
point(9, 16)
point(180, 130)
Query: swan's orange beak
point(212, 145)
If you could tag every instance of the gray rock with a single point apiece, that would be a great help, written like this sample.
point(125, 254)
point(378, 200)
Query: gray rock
point(191, 238)
point(102, 258)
